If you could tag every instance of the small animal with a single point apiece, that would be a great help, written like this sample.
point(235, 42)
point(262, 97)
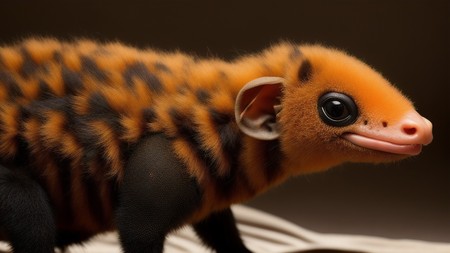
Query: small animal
point(101, 136)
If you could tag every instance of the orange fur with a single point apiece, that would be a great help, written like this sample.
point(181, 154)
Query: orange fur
point(9, 129)
point(120, 94)
point(71, 59)
point(30, 90)
point(11, 58)
point(184, 151)
point(3, 93)
point(108, 141)
point(337, 71)
point(41, 52)
point(31, 135)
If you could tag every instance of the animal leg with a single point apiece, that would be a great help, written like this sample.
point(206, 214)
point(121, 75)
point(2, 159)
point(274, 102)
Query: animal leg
point(155, 196)
point(25, 214)
point(219, 232)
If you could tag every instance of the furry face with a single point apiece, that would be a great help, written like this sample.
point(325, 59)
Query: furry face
point(338, 108)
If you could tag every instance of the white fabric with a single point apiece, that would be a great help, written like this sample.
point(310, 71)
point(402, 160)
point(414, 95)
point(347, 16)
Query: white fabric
point(265, 233)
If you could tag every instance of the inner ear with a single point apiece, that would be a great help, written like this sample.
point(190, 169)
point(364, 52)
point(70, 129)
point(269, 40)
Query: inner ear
point(257, 105)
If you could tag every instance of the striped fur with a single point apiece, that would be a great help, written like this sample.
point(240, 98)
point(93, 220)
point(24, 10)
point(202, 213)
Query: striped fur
point(75, 110)
point(72, 113)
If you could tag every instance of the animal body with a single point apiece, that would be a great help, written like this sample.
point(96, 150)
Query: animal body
point(96, 137)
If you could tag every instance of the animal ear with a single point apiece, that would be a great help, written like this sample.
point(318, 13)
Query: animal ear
point(257, 105)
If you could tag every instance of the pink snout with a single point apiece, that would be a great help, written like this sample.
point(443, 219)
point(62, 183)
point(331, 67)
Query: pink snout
point(405, 137)
point(416, 129)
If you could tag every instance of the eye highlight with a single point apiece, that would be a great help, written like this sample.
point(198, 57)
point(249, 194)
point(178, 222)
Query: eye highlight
point(337, 109)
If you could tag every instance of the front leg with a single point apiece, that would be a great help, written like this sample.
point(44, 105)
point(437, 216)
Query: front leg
point(156, 196)
point(219, 231)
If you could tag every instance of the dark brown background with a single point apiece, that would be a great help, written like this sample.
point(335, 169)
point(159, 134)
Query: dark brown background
point(408, 41)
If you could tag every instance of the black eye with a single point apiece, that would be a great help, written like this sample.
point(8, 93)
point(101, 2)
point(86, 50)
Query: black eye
point(337, 109)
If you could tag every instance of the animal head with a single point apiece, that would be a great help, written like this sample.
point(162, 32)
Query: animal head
point(331, 108)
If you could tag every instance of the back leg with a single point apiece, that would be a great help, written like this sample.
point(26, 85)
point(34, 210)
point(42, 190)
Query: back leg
point(25, 214)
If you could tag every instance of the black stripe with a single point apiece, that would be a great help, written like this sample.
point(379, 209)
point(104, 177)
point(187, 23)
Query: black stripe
point(58, 57)
point(229, 135)
point(202, 95)
point(148, 115)
point(24, 116)
point(44, 89)
point(139, 70)
point(272, 156)
point(90, 66)
point(73, 81)
point(93, 151)
point(91, 187)
point(23, 152)
point(98, 104)
point(7, 80)
point(188, 131)
point(305, 71)
point(231, 144)
point(38, 108)
point(231, 147)
point(86, 137)
point(73, 123)
point(99, 108)
point(29, 66)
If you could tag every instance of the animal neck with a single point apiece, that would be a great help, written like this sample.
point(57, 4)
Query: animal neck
point(262, 162)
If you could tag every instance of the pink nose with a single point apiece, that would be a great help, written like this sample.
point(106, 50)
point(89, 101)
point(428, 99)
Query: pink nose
point(416, 129)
